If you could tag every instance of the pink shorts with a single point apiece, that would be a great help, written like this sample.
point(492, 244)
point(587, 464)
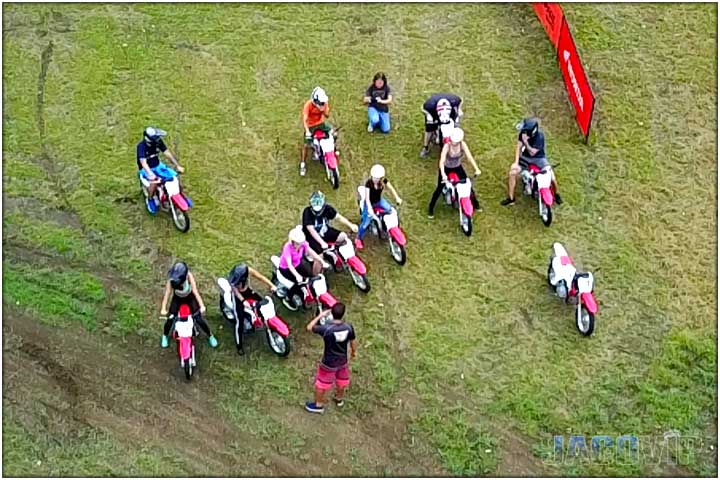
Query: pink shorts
point(326, 377)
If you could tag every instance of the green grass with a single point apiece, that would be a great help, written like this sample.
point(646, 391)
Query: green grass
point(467, 322)
point(57, 298)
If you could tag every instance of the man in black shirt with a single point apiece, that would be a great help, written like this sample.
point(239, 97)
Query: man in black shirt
point(334, 366)
point(148, 159)
point(316, 220)
point(530, 150)
point(439, 108)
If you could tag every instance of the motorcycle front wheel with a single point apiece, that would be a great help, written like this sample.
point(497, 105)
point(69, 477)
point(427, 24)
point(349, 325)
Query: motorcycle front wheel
point(584, 321)
point(360, 281)
point(334, 177)
point(546, 215)
point(397, 252)
point(181, 219)
point(466, 225)
point(279, 345)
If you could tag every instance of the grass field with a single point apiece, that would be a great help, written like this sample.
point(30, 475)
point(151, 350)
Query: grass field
point(466, 364)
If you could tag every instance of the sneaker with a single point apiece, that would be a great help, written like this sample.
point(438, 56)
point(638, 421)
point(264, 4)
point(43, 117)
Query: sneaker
point(339, 402)
point(164, 341)
point(370, 128)
point(558, 199)
point(508, 201)
point(359, 244)
point(151, 205)
point(313, 408)
point(213, 341)
point(240, 352)
point(431, 215)
point(302, 169)
point(424, 152)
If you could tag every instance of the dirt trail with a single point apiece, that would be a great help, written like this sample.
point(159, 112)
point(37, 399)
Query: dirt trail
point(79, 380)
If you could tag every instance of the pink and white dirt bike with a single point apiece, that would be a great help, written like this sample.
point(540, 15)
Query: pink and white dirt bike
point(169, 197)
point(457, 194)
point(386, 225)
point(537, 183)
point(262, 315)
point(324, 149)
point(343, 257)
point(184, 330)
point(312, 291)
point(574, 287)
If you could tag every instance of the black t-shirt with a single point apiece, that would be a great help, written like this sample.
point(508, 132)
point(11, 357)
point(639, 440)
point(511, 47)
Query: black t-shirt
point(430, 104)
point(537, 142)
point(319, 222)
point(151, 154)
point(383, 93)
point(336, 337)
point(375, 193)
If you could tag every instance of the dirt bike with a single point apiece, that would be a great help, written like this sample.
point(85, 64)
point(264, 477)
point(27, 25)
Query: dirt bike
point(324, 149)
point(184, 329)
point(575, 287)
point(457, 194)
point(170, 198)
point(342, 257)
point(262, 316)
point(311, 291)
point(386, 225)
point(537, 183)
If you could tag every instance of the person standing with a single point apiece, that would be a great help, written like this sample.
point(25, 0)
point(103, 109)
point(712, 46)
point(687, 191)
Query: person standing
point(378, 96)
point(334, 366)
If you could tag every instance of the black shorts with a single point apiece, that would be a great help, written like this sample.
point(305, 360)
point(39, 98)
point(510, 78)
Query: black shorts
point(431, 126)
point(525, 162)
point(249, 293)
point(190, 301)
point(331, 236)
point(305, 269)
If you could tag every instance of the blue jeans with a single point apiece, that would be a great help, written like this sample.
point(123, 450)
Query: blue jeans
point(367, 217)
point(379, 119)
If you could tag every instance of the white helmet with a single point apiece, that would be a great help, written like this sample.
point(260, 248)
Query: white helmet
point(377, 171)
point(457, 135)
point(442, 104)
point(318, 96)
point(297, 235)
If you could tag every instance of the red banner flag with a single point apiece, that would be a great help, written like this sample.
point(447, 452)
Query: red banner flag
point(576, 82)
point(551, 16)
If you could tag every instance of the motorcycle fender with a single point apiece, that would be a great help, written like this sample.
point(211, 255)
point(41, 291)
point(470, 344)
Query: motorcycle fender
point(185, 345)
point(357, 265)
point(467, 206)
point(279, 326)
point(589, 301)
point(180, 202)
point(398, 235)
point(547, 196)
point(331, 160)
point(328, 300)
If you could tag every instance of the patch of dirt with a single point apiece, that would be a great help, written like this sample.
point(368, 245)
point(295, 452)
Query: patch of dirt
point(517, 459)
point(36, 208)
point(78, 380)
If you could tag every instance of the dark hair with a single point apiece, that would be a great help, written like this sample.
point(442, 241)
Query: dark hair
point(338, 311)
point(378, 76)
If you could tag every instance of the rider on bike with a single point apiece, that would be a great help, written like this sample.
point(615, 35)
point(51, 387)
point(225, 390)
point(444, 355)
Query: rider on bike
point(316, 220)
point(314, 115)
point(372, 198)
point(148, 161)
point(238, 279)
point(530, 150)
point(440, 108)
point(181, 285)
point(451, 159)
point(293, 261)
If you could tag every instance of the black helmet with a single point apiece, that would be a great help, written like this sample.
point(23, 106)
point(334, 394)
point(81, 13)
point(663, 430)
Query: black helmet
point(238, 275)
point(529, 126)
point(178, 274)
point(152, 135)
